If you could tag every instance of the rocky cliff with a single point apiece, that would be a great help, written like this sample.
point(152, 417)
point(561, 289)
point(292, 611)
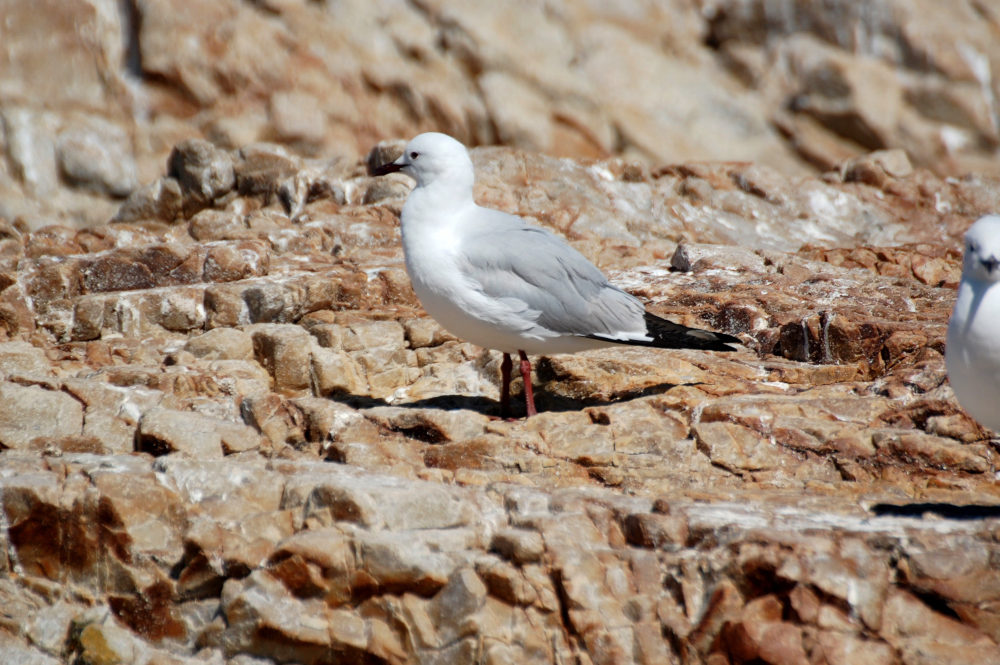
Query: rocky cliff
point(230, 436)
point(94, 94)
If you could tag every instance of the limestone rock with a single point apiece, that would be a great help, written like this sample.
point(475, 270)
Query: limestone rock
point(232, 435)
point(793, 87)
point(159, 200)
point(107, 643)
point(97, 155)
point(262, 167)
point(520, 546)
point(298, 117)
point(33, 412)
point(225, 343)
point(204, 172)
point(283, 349)
point(264, 618)
point(19, 357)
point(163, 431)
point(399, 562)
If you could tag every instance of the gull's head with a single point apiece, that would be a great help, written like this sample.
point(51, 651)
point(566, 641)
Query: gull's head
point(433, 157)
point(982, 250)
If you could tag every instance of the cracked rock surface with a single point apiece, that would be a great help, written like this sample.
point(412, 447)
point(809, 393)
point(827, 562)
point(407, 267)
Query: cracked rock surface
point(95, 95)
point(230, 435)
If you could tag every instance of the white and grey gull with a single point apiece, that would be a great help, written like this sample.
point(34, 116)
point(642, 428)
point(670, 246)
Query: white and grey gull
point(492, 279)
point(972, 347)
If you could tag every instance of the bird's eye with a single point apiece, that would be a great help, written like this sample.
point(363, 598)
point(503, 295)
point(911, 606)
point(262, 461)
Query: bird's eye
point(414, 155)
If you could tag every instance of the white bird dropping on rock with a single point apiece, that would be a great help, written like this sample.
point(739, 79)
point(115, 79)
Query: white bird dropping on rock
point(972, 353)
point(492, 279)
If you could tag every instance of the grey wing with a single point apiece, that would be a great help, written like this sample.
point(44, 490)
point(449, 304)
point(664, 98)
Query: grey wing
point(541, 277)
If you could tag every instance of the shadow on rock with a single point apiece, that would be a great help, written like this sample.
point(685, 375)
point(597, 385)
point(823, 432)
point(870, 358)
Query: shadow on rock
point(547, 401)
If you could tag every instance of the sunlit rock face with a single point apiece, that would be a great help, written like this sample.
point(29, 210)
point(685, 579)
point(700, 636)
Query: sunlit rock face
point(231, 435)
point(93, 97)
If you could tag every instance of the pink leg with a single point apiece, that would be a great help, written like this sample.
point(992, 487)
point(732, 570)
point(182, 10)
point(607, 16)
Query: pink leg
point(505, 367)
point(529, 394)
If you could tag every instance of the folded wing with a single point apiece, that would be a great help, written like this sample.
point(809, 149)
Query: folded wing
point(536, 274)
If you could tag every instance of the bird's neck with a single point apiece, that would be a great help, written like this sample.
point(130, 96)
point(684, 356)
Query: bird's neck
point(437, 200)
point(977, 286)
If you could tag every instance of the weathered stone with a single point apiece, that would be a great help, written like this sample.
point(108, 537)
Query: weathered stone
point(23, 654)
point(112, 412)
point(163, 431)
point(840, 649)
point(934, 451)
point(284, 351)
point(211, 225)
point(656, 531)
point(398, 562)
point(262, 167)
point(160, 200)
point(854, 574)
point(232, 548)
point(263, 617)
point(49, 628)
point(933, 636)
point(228, 263)
point(329, 550)
point(430, 425)
point(326, 420)
point(506, 582)
point(269, 302)
point(203, 171)
point(877, 168)
point(761, 634)
point(251, 487)
point(336, 373)
point(53, 240)
point(225, 307)
point(738, 448)
point(107, 643)
point(31, 149)
point(31, 412)
point(817, 496)
point(518, 545)
point(695, 257)
point(424, 332)
point(454, 606)
point(573, 435)
point(723, 606)
point(274, 417)
point(97, 155)
point(386, 502)
point(150, 515)
point(22, 358)
point(225, 343)
point(117, 272)
point(298, 117)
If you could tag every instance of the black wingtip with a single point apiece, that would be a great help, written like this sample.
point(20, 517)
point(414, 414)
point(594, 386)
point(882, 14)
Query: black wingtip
point(670, 335)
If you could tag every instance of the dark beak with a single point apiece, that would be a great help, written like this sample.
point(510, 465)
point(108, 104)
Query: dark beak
point(388, 167)
point(990, 264)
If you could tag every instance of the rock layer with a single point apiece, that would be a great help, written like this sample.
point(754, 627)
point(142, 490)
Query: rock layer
point(230, 434)
point(94, 97)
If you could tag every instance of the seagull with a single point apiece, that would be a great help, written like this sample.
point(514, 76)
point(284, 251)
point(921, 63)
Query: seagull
point(492, 279)
point(972, 351)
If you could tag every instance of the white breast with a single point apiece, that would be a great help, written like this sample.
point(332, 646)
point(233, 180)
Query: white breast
point(973, 353)
point(458, 304)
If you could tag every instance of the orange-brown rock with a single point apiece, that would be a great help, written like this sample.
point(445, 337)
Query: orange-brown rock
point(231, 435)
